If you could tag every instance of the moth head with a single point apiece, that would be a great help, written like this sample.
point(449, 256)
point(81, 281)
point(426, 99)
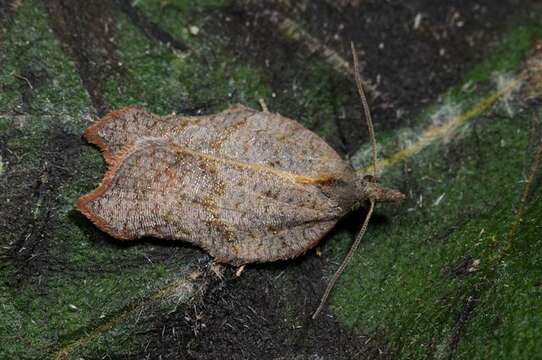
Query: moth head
point(368, 188)
point(379, 193)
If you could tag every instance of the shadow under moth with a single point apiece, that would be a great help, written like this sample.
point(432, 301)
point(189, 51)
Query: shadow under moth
point(247, 186)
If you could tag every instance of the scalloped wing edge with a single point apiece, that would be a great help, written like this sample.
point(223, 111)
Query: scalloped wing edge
point(82, 204)
point(92, 133)
point(93, 136)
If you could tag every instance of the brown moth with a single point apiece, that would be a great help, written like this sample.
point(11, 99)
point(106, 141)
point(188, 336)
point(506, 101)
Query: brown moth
point(246, 186)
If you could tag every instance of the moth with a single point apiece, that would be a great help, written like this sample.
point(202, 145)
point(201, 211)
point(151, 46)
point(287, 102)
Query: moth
point(247, 186)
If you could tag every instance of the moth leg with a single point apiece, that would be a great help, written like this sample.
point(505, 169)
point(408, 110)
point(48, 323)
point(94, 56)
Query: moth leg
point(318, 251)
point(240, 270)
point(217, 269)
point(263, 105)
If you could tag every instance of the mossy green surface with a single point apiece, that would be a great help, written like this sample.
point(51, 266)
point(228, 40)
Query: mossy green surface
point(446, 274)
point(181, 18)
point(499, 65)
point(30, 50)
point(163, 81)
point(510, 52)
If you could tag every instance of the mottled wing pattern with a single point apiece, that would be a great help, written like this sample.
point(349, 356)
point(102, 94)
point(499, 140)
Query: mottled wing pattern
point(124, 126)
point(238, 133)
point(239, 212)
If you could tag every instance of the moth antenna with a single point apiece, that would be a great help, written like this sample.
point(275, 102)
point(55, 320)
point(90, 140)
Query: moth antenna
point(359, 237)
point(368, 118)
point(346, 261)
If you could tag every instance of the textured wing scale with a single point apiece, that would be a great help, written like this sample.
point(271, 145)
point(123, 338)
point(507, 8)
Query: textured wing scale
point(238, 133)
point(240, 212)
